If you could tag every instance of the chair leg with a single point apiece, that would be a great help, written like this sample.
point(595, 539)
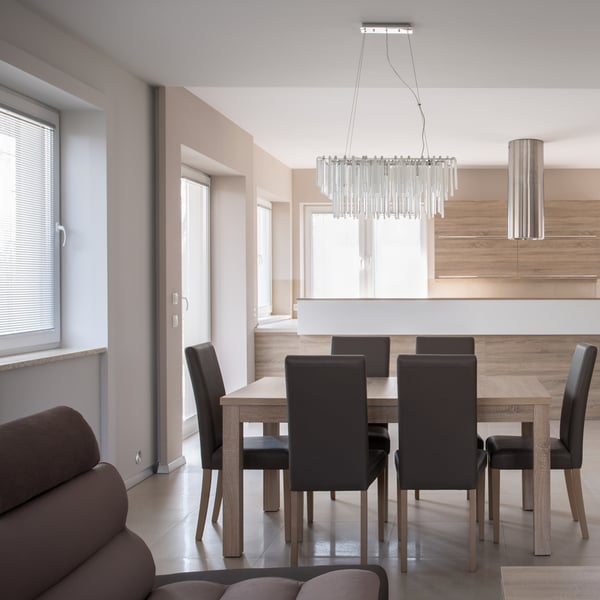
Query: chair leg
point(381, 502)
point(386, 493)
point(309, 507)
point(572, 503)
point(218, 497)
point(494, 475)
point(481, 505)
point(287, 519)
point(332, 494)
point(204, 496)
point(490, 497)
point(296, 499)
point(417, 495)
point(578, 493)
point(472, 531)
point(364, 508)
point(398, 515)
point(402, 520)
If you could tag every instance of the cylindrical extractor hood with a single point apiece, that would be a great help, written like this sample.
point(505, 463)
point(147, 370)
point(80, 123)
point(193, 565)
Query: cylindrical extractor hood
point(526, 190)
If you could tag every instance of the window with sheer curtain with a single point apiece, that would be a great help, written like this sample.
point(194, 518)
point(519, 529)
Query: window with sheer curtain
point(29, 248)
point(363, 258)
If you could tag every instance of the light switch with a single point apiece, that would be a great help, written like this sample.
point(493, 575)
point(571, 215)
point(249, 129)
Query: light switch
point(175, 321)
point(175, 298)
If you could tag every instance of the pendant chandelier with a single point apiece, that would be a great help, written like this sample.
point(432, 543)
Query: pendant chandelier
point(387, 187)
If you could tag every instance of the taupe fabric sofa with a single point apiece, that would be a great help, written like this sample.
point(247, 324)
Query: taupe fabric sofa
point(63, 534)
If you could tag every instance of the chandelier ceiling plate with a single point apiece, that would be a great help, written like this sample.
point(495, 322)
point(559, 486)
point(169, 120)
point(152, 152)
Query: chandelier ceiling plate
point(401, 28)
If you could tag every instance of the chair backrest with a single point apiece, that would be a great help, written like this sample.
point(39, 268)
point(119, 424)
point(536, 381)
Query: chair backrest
point(445, 344)
point(572, 418)
point(327, 422)
point(62, 515)
point(207, 383)
point(437, 421)
point(375, 349)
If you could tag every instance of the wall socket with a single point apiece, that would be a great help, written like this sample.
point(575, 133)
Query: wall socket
point(138, 457)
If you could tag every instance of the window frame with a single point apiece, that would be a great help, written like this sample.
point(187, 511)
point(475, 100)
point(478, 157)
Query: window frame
point(266, 310)
point(18, 343)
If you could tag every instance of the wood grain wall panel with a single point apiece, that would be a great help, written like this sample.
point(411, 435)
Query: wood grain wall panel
point(559, 257)
point(475, 257)
point(463, 217)
point(546, 356)
point(571, 217)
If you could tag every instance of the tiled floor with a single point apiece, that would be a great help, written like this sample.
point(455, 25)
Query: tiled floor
point(164, 509)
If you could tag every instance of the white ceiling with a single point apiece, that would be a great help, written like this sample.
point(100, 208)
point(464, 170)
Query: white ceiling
point(489, 70)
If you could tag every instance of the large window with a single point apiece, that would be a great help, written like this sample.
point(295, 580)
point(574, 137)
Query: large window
point(363, 258)
point(29, 226)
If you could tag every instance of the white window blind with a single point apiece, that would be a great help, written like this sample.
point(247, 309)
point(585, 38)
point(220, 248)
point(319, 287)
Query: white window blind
point(29, 278)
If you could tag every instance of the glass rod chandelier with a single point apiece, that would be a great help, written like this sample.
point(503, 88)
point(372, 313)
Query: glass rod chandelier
point(387, 187)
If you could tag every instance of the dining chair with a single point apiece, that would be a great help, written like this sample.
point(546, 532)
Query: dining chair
point(259, 452)
point(515, 452)
point(446, 344)
point(376, 350)
point(437, 443)
point(325, 457)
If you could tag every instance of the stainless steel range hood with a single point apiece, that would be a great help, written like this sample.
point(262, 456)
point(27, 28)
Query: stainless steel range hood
point(526, 190)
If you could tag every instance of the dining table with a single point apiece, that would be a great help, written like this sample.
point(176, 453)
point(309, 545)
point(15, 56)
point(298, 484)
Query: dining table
point(500, 398)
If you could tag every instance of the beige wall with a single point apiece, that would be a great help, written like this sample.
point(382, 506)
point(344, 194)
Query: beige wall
point(237, 169)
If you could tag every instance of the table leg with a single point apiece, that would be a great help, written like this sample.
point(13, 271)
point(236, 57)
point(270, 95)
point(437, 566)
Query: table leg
point(233, 483)
point(271, 490)
point(527, 475)
point(541, 480)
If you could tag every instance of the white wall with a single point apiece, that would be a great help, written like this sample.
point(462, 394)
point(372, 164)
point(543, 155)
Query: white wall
point(126, 389)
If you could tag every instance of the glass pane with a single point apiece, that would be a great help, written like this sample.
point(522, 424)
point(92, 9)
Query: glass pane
point(195, 275)
point(264, 258)
point(399, 263)
point(335, 260)
point(27, 236)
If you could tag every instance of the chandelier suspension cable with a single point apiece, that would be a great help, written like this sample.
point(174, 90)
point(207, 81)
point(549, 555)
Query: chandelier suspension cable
point(415, 92)
point(350, 133)
point(398, 186)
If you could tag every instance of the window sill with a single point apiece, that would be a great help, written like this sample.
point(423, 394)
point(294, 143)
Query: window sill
point(17, 361)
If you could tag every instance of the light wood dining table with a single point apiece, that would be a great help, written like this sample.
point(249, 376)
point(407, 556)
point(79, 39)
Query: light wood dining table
point(500, 398)
point(550, 583)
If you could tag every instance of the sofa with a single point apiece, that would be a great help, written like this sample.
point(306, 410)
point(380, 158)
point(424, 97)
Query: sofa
point(63, 532)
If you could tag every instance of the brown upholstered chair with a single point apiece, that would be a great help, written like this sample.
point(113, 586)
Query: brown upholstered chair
point(437, 442)
point(63, 533)
point(376, 350)
point(260, 452)
point(566, 452)
point(326, 458)
point(446, 344)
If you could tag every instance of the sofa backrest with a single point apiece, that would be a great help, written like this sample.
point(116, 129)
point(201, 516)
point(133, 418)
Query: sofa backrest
point(62, 515)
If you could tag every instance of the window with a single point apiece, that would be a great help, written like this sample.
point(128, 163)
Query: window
point(264, 270)
point(29, 209)
point(363, 258)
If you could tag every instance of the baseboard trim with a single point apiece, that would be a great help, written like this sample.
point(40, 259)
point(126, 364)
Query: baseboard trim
point(139, 477)
point(172, 466)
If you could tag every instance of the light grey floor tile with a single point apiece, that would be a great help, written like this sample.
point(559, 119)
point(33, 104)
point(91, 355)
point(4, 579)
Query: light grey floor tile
point(163, 510)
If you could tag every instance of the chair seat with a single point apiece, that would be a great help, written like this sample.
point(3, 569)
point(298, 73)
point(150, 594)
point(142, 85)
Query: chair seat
point(481, 465)
point(379, 437)
point(516, 452)
point(377, 461)
point(260, 452)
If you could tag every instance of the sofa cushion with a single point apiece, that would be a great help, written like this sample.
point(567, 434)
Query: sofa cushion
point(347, 584)
point(42, 451)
